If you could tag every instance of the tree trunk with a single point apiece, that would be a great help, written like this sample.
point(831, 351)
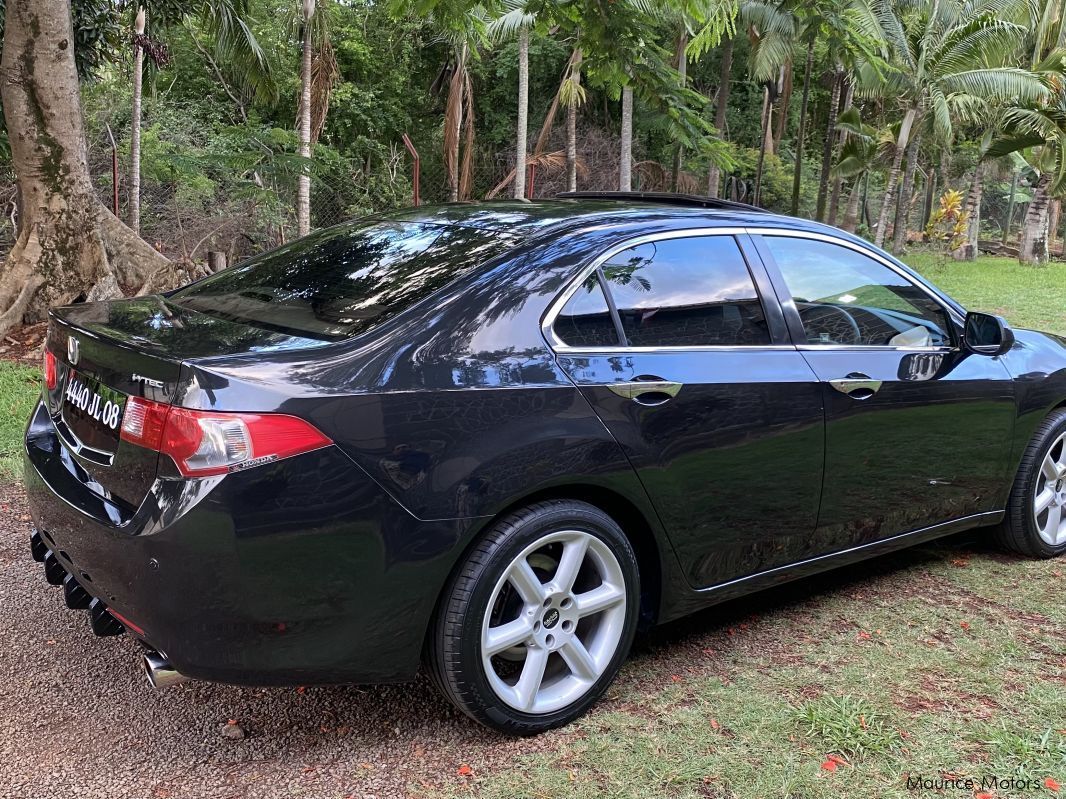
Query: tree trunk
point(135, 128)
point(842, 136)
point(851, 212)
point(682, 71)
point(903, 199)
point(69, 246)
point(571, 128)
point(725, 74)
point(1053, 225)
point(930, 196)
point(827, 149)
point(763, 145)
point(893, 175)
point(1032, 247)
point(972, 208)
point(1010, 205)
point(797, 167)
point(625, 161)
point(453, 125)
point(523, 113)
point(303, 187)
point(783, 103)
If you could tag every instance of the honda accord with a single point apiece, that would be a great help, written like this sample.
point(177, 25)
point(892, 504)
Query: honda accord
point(498, 439)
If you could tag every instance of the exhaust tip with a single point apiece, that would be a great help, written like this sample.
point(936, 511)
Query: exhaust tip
point(159, 671)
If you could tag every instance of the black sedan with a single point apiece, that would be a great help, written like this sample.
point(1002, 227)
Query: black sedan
point(501, 438)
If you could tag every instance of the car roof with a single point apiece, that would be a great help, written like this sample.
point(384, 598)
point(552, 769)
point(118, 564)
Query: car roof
point(526, 218)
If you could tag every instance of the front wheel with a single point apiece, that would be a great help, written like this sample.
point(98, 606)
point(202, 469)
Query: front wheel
point(537, 621)
point(1036, 513)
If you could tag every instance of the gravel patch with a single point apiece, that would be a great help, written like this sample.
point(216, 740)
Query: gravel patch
point(77, 718)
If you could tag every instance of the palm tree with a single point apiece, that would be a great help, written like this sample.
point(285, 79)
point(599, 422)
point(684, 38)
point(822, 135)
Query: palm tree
point(572, 95)
point(625, 160)
point(135, 128)
point(714, 174)
point(862, 152)
point(303, 186)
point(517, 21)
point(228, 24)
point(1038, 133)
point(771, 28)
point(943, 61)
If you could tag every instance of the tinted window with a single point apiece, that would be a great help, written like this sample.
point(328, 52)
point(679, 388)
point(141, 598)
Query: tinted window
point(845, 297)
point(342, 281)
point(585, 320)
point(686, 292)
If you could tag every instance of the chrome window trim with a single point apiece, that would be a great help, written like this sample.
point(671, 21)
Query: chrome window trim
point(579, 351)
point(561, 348)
point(952, 315)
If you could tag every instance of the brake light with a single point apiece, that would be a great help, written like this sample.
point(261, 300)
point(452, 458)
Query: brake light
point(49, 370)
point(203, 443)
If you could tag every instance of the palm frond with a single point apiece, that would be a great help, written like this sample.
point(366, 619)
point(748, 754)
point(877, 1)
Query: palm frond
point(507, 25)
point(227, 23)
point(1006, 83)
point(982, 42)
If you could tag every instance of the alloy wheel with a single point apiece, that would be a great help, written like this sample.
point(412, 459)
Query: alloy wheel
point(554, 623)
point(1049, 499)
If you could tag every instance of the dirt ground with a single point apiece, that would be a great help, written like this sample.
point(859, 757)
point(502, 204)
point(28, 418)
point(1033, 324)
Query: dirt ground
point(77, 718)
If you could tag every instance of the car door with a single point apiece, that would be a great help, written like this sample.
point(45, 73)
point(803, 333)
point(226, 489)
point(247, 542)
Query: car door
point(720, 415)
point(917, 430)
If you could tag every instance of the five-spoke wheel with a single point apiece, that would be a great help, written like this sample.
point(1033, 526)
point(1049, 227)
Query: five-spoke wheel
point(540, 617)
point(1049, 500)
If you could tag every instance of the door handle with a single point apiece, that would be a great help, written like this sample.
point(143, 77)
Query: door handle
point(856, 385)
point(636, 388)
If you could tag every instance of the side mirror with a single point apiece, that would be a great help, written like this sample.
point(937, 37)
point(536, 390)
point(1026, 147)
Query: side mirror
point(987, 334)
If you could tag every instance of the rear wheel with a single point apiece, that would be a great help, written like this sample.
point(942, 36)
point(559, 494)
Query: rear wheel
point(538, 620)
point(1036, 513)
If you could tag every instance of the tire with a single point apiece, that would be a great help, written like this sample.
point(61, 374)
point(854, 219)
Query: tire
point(492, 588)
point(1026, 529)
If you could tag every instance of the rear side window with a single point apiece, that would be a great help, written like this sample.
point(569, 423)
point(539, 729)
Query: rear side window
point(686, 292)
point(342, 281)
point(585, 320)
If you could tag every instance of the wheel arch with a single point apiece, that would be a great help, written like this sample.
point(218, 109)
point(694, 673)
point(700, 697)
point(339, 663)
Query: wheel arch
point(634, 523)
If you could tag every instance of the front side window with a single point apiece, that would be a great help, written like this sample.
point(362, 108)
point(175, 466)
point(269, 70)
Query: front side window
point(686, 292)
point(849, 299)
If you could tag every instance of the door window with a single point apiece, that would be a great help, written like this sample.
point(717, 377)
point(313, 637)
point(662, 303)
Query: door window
point(585, 320)
point(849, 299)
point(686, 292)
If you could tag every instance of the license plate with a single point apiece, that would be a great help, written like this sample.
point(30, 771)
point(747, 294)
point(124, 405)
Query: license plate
point(93, 411)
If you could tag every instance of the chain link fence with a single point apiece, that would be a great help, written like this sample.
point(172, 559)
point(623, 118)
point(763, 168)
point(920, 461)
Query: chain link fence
point(188, 210)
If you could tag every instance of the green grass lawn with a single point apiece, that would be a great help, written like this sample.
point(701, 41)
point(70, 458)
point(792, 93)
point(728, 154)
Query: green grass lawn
point(1028, 296)
point(19, 387)
point(944, 662)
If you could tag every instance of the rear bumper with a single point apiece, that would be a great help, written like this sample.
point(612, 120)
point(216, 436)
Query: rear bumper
point(300, 571)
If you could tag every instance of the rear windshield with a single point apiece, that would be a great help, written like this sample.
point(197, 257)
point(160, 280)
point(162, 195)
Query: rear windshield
point(342, 281)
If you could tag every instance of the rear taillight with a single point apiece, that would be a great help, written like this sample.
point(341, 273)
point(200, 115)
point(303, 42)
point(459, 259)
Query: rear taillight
point(203, 443)
point(49, 370)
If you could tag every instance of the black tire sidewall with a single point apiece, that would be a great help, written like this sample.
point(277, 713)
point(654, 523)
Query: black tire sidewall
point(481, 582)
point(1027, 495)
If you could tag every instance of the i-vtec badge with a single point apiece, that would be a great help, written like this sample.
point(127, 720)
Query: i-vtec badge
point(147, 381)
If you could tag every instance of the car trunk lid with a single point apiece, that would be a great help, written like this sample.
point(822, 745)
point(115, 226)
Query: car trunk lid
point(110, 351)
